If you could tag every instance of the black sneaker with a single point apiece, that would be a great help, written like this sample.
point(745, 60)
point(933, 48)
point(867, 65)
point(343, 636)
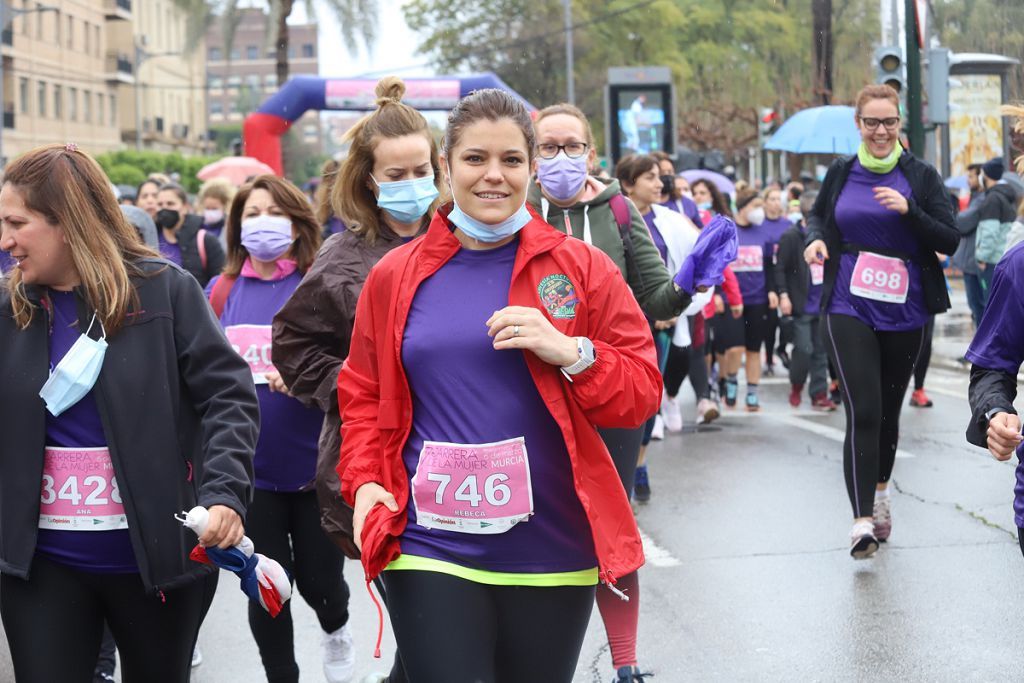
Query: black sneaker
point(783, 357)
point(630, 674)
point(641, 485)
point(834, 394)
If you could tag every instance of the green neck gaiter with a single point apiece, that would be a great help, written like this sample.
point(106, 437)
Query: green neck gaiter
point(876, 165)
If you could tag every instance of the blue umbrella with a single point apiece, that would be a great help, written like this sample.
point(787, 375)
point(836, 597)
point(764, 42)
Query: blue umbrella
point(818, 130)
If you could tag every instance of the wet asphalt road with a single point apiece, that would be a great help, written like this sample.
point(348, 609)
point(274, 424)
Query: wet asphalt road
point(748, 575)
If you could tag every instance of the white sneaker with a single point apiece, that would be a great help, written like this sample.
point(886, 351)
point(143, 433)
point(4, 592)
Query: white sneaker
point(707, 411)
point(197, 656)
point(659, 429)
point(339, 655)
point(863, 543)
point(671, 413)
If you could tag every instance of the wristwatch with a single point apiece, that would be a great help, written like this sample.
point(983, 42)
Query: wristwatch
point(995, 411)
point(585, 349)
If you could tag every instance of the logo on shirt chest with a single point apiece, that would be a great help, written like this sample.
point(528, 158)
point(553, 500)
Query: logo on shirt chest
point(558, 295)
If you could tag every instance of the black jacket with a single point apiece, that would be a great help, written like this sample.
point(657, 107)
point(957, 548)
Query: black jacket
point(792, 274)
point(929, 218)
point(179, 414)
point(190, 257)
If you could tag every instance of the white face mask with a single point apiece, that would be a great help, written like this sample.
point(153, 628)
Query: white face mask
point(756, 216)
point(76, 373)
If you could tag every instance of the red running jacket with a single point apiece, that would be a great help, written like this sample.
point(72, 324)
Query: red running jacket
point(622, 389)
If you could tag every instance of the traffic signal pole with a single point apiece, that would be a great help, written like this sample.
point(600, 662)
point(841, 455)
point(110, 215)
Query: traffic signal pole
point(915, 125)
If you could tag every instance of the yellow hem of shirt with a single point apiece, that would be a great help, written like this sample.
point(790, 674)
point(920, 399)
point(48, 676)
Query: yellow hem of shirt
point(583, 577)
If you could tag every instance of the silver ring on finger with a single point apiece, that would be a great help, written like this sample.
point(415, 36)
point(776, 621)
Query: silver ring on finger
point(515, 330)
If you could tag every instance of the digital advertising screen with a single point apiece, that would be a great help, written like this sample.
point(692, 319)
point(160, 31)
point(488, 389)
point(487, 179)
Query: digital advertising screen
point(641, 118)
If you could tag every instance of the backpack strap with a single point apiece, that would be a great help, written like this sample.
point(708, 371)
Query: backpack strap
point(220, 293)
point(201, 245)
point(620, 209)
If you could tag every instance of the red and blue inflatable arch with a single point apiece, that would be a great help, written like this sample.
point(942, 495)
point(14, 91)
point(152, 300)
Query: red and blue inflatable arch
point(262, 130)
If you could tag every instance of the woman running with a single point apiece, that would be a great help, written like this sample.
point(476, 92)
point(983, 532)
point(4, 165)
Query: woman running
point(122, 404)
point(876, 225)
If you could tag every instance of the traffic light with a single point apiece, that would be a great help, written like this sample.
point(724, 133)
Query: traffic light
point(766, 120)
point(938, 85)
point(889, 67)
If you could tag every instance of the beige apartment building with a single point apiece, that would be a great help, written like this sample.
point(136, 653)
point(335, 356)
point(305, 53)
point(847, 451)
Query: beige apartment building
point(69, 75)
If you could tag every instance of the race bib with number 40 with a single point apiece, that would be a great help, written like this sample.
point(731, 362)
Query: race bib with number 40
point(253, 344)
point(79, 491)
point(473, 488)
point(880, 278)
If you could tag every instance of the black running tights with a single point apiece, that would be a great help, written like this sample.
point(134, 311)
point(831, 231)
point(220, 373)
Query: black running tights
point(874, 370)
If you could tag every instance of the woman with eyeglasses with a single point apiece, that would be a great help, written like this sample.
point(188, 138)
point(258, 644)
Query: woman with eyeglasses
point(881, 216)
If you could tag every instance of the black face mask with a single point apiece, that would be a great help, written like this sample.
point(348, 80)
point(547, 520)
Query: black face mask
point(668, 184)
point(167, 218)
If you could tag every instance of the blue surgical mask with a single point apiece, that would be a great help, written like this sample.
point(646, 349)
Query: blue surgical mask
point(407, 200)
point(486, 232)
point(704, 206)
point(76, 373)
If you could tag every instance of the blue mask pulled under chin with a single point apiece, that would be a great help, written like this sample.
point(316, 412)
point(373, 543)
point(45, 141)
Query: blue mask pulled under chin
point(486, 232)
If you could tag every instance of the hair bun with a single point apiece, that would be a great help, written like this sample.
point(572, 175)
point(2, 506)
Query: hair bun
point(390, 89)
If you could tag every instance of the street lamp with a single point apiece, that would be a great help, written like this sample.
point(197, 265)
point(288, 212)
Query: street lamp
point(6, 15)
point(141, 56)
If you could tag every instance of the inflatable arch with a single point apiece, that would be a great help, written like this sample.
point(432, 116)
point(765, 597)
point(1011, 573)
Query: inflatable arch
point(262, 130)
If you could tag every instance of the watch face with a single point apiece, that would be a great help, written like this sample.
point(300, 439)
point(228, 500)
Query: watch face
point(588, 349)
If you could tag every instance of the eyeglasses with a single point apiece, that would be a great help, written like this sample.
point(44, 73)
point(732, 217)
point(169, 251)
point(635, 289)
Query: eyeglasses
point(573, 150)
point(872, 123)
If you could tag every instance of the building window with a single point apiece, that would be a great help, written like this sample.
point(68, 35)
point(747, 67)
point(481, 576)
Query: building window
point(215, 82)
point(291, 52)
point(252, 52)
point(86, 37)
point(234, 106)
point(58, 105)
point(23, 95)
point(271, 80)
point(234, 81)
point(87, 106)
point(71, 32)
point(57, 21)
point(253, 81)
point(113, 110)
point(307, 50)
point(42, 99)
point(39, 21)
point(234, 53)
point(73, 104)
point(214, 55)
point(99, 108)
point(216, 107)
point(96, 43)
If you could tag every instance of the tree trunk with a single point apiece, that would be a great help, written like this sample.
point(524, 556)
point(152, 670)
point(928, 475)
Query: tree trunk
point(823, 49)
point(281, 42)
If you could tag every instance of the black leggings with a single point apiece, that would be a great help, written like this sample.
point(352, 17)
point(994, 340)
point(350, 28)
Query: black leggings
point(874, 370)
point(286, 527)
point(770, 334)
point(54, 622)
point(452, 629)
point(926, 354)
point(683, 362)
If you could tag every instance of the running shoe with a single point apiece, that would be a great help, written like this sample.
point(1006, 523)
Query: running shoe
point(375, 678)
point(671, 414)
point(753, 403)
point(339, 655)
point(883, 518)
point(707, 411)
point(863, 543)
point(197, 656)
point(834, 394)
point(641, 485)
point(103, 677)
point(768, 370)
point(783, 357)
point(919, 399)
point(796, 392)
point(630, 674)
point(823, 403)
point(732, 388)
point(658, 432)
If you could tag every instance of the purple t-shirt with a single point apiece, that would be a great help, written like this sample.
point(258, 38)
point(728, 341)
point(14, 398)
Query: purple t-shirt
point(6, 261)
point(334, 226)
point(214, 229)
point(755, 253)
point(466, 392)
point(999, 342)
point(775, 228)
point(105, 552)
point(687, 207)
point(286, 452)
point(659, 241)
point(862, 220)
point(171, 252)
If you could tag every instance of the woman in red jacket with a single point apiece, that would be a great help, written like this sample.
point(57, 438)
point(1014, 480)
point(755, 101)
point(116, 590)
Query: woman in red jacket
point(482, 358)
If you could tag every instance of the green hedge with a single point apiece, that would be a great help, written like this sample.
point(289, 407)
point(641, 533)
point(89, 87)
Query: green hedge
point(129, 167)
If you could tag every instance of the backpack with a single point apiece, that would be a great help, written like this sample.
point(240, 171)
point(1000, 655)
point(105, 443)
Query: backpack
point(620, 209)
point(220, 293)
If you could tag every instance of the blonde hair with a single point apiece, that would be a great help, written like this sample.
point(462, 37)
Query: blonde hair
point(220, 189)
point(322, 200)
point(1017, 111)
point(877, 91)
point(575, 112)
point(70, 191)
point(351, 198)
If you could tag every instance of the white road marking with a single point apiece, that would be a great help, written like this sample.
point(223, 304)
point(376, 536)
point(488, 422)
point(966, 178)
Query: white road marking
point(655, 554)
point(825, 431)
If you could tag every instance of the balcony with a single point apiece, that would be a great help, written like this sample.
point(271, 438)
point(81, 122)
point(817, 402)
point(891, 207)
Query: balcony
point(119, 68)
point(117, 10)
